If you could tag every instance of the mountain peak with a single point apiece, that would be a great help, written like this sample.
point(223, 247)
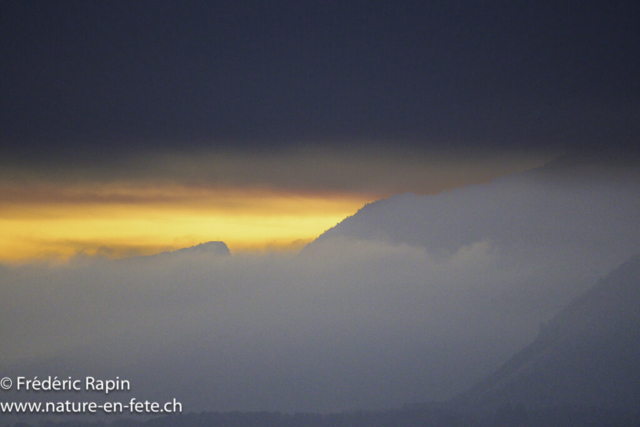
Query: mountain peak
point(212, 248)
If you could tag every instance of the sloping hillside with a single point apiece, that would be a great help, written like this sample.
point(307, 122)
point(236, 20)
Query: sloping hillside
point(588, 355)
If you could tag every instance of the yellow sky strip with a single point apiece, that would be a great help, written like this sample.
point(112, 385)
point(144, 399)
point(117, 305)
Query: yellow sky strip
point(164, 201)
point(119, 221)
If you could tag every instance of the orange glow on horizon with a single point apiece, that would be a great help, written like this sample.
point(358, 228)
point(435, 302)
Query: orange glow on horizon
point(117, 221)
point(159, 201)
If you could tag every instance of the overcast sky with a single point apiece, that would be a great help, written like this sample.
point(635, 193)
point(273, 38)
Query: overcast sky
point(90, 81)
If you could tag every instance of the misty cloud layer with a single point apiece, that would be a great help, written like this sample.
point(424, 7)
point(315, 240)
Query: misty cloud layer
point(356, 321)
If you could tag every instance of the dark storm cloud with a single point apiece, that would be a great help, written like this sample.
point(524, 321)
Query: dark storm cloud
point(83, 80)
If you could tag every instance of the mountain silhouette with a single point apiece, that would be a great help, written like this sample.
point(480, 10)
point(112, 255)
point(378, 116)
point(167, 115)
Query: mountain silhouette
point(213, 248)
point(580, 200)
point(588, 355)
point(217, 249)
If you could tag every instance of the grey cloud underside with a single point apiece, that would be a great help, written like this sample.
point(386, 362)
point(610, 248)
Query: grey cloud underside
point(411, 299)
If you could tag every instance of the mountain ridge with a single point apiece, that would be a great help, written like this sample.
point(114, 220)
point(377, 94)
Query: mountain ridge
point(215, 248)
point(451, 219)
point(587, 355)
